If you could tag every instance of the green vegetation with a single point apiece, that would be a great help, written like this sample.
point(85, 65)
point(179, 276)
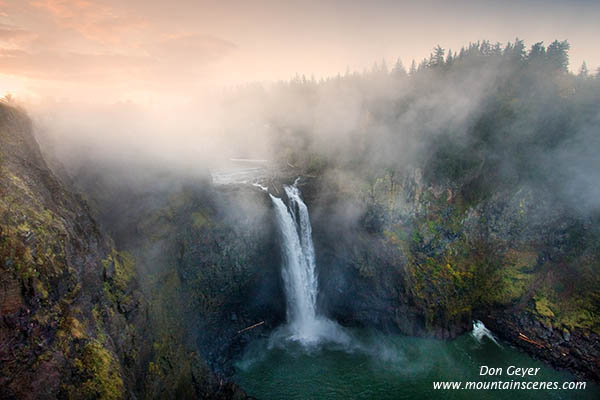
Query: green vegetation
point(100, 373)
point(119, 270)
point(542, 306)
point(515, 277)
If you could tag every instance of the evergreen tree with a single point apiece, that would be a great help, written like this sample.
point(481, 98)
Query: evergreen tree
point(413, 67)
point(583, 71)
point(496, 50)
point(519, 49)
point(383, 69)
point(485, 48)
point(558, 55)
point(515, 52)
point(399, 71)
point(436, 59)
point(537, 52)
point(449, 58)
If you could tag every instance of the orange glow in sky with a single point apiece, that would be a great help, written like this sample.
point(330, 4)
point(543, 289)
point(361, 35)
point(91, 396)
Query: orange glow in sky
point(143, 49)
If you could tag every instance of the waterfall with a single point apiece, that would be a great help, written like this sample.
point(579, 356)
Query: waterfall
point(304, 324)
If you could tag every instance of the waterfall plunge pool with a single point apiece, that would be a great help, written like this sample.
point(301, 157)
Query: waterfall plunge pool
point(378, 366)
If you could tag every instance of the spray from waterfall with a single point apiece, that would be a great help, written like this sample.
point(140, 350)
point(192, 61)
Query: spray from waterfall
point(304, 324)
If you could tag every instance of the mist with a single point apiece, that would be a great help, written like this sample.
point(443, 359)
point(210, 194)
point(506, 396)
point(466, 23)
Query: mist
point(492, 113)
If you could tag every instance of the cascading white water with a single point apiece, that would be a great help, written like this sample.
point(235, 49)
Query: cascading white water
point(480, 331)
point(299, 272)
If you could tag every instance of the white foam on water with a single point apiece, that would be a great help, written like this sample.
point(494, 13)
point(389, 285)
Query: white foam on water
point(480, 331)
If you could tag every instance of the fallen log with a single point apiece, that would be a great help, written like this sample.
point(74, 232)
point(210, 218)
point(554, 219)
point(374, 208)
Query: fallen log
point(251, 327)
point(526, 339)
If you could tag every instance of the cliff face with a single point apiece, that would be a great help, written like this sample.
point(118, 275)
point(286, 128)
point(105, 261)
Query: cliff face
point(207, 258)
point(405, 255)
point(69, 303)
point(75, 321)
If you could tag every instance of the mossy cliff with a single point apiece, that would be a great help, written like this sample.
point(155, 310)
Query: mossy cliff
point(210, 263)
point(65, 290)
point(404, 254)
point(75, 322)
point(207, 260)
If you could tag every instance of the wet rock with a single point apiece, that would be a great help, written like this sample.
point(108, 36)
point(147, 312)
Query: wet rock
point(576, 353)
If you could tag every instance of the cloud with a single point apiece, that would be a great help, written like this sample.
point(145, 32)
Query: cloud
point(174, 60)
point(103, 44)
point(61, 66)
point(196, 47)
point(13, 35)
point(97, 22)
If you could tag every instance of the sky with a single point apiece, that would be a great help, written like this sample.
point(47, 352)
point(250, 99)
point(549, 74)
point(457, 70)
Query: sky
point(144, 50)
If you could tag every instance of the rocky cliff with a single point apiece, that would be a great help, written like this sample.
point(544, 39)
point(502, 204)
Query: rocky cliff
point(398, 252)
point(76, 318)
point(69, 302)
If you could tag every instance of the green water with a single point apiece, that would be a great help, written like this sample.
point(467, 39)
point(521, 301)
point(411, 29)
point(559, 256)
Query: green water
point(377, 366)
